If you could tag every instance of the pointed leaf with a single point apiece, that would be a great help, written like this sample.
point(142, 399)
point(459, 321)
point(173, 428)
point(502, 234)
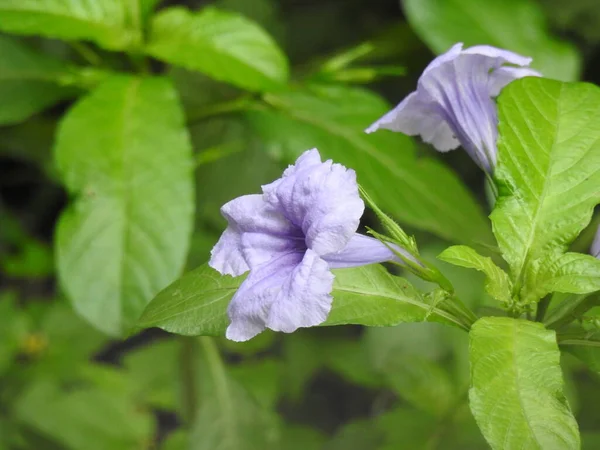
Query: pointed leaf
point(124, 151)
point(28, 81)
point(497, 283)
point(516, 386)
point(416, 191)
point(548, 169)
point(517, 25)
point(196, 304)
point(102, 21)
point(223, 45)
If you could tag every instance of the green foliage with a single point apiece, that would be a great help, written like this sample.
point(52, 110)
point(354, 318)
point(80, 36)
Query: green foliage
point(547, 164)
point(518, 25)
point(332, 119)
point(516, 386)
point(126, 235)
point(223, 45)
point(196, 304)
point(497, 283)
point(28, 81)
point(103, 21)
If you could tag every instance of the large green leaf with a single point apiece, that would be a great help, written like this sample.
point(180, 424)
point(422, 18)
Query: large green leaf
point(517, 25)
point(125, 153)
point(421, 192)
point(196, 304)
point(548, 171)
point(497, 283)
point(516, 386)
point(221, 44)
point(88, 418)
point(227, 418)
point(28, 81)
point(102, 21)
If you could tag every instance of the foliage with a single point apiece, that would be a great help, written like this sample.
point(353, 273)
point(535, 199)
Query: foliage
point(127, 124)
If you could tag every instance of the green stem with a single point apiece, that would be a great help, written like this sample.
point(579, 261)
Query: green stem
point(572, 307)
point(235, 105)
point(89, 55)
point(188, 378)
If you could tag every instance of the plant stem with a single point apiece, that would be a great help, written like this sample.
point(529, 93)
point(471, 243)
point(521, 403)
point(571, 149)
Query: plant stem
point(188, 378)
point(235, 105)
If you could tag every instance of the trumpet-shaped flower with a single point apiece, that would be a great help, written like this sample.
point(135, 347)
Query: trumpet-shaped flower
point(289, 238)
point(454, 101)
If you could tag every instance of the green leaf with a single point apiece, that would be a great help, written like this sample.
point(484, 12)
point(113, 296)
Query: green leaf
point(102, 21)
point(196, 304)
point(227, 417)
point(124, 151)
point(517, 25)
point(415, 191)
point(28, 81)
point(497, 283)
point(85, 418)
point(573, 273)
point(262, 379)
point(548, 169)
point(223, 45)
point(516, 386)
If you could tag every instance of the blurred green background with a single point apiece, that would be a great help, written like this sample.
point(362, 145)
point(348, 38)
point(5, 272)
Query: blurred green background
point(65, 385)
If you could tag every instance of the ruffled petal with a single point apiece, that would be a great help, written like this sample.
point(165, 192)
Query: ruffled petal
point(321, 199)
point(500, 55)
point(305, 297)
point(227, 256)
point(499, 78)
point(415, 117)
point(249, 309)
point(363, 250)
point(270, 234)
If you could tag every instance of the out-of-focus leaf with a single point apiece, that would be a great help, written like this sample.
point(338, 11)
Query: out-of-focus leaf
point(262, 379)
point(28, 81)
point(585, 346)
point(548, 163)
point(13, 329)
point(350, 359)
point(303, 357)
point(497, 283)
point(155, 383)
point(590, 441)
point(125, 153)
point(295, 437)
point(416, 191)
point(178, 440)
point(102, 21)
point(257, 344)
point(358, 435)
point(223, 45)
point(196, 304)
point(516, 390)
point(516, 25)
point(406, 428)
point(227, 417)
point(85, 419)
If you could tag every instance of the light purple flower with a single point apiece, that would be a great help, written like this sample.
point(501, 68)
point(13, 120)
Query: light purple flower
point(303, 225)
point(453, 104)
point(595, 249)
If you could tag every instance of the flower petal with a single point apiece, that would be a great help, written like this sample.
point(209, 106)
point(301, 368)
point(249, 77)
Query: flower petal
point(363, 250)
point(502, 56)
point(595, 250)
point(499, 78)
point(305, 297)
point(322, 199)
point(233, 254)
point(249, 308)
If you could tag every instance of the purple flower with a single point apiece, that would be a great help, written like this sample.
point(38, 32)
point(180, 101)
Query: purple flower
point(595, 249)
point(289, 238)
point(453, 104)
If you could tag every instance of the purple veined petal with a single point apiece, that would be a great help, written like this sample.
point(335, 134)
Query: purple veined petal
point(305, 297)
point(226, 256)
point(444, 58)
point(595, 250)
point(322, 200)
point(249, 308)
point(247, 214)
point(504, 56)
point(362, 250)
point(306, 160)
point(415, 117)
point(500, 77)
point(259, 248)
